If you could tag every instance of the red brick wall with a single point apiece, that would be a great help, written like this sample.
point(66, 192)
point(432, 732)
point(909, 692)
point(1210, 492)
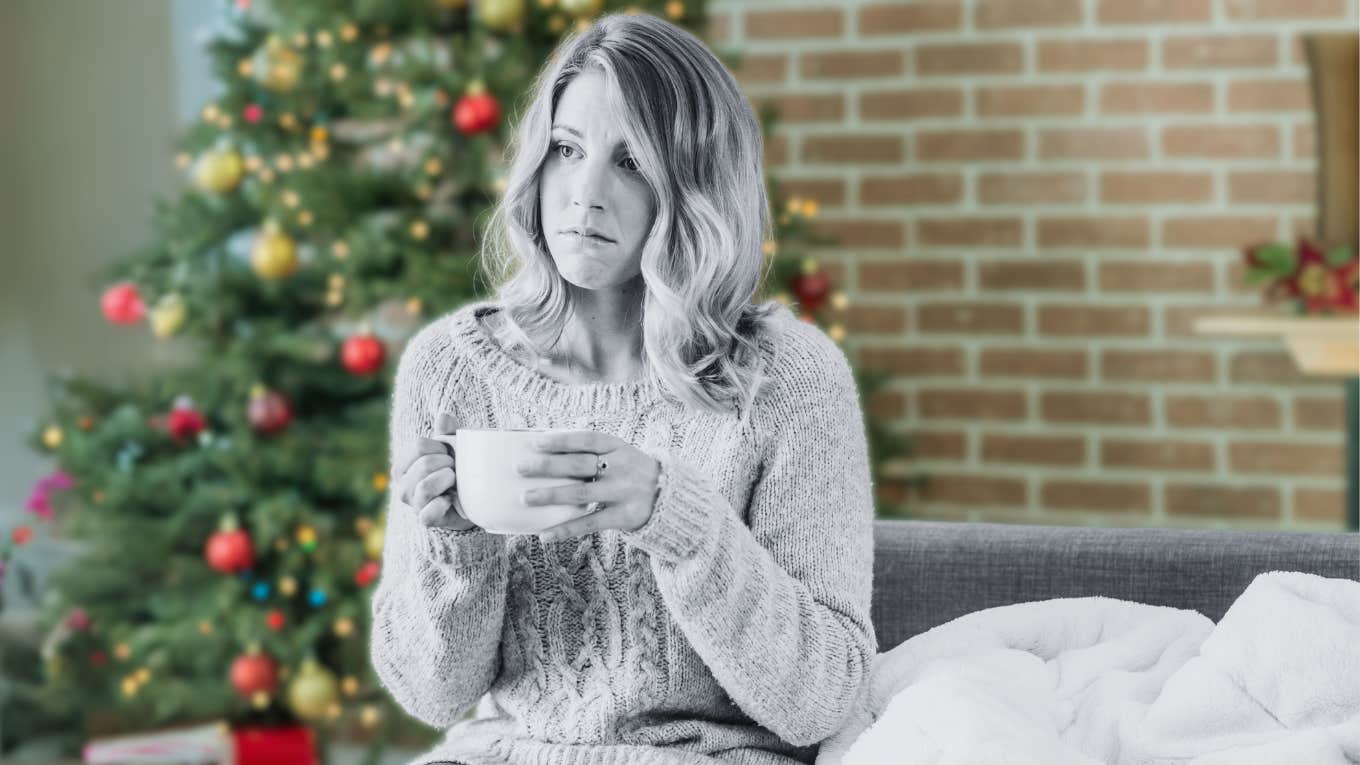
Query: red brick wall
point(1035, 199)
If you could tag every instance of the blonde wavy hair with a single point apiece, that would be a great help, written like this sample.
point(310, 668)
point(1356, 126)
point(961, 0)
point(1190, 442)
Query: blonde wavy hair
point(698, 142)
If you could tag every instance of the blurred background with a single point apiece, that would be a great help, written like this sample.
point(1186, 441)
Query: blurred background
point(1094, 260)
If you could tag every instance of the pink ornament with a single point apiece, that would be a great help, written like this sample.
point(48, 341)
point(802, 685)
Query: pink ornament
point(78, 619)
point(252, 113)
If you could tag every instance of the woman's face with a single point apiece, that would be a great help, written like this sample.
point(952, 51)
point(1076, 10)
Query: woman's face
point(589, 179)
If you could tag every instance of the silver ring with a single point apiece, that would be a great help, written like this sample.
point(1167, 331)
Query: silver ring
point(601, 465)
point(594, 507)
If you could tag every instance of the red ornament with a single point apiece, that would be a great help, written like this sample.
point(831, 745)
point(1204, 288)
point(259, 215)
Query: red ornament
point(122, 304)
point(811, 289)
point(366, 573)
point(268, 411)
point(98, 658)
point(273, 745)
point(476, 111)
point(362, 354)
point(229, 549)
point(21, 534)
point(254, 671)
point(253, 113)
point(184, 421)
point(275, 620)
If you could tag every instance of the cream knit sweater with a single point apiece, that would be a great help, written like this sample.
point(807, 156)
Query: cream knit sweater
point(733, 627)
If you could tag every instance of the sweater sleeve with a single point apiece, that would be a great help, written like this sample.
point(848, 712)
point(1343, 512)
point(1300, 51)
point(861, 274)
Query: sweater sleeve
point(438, 606)
point(779, 611)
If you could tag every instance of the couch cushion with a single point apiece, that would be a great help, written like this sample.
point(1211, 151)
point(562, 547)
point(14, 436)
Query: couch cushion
point(927, 573)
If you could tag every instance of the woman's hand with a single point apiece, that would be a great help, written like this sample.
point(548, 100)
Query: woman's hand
point(626, 490)
point(424, 480)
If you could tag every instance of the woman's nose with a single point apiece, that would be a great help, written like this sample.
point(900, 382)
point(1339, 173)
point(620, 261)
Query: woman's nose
point(589, 184)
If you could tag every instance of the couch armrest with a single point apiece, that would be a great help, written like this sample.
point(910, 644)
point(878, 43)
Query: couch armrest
point(927, 573)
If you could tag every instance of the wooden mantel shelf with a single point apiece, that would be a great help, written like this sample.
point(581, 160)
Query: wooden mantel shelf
point(1321, 345)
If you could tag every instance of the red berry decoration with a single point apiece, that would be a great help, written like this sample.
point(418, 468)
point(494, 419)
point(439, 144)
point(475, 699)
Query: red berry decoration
point(229, 549)
point(254, 671)
point(362, 354)
point(122, 304)
point(268, 411)
point(184, 421)
point(275, 620)
point(812, 289)
point(476, 111)
point(366, 573)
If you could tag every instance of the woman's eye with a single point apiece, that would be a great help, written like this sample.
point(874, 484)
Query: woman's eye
point(555, 147)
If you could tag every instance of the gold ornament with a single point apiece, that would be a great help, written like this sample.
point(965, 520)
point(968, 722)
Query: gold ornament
point(556, 23)
point(581, 9)
point(771, 247)
point(219, 170)
point(350, 685)
point(413, 306)
point(839, 300)
point(419, 229)
point(675, 9)
point(501, 15)
point(168, 315)
point(433, 166)
point(349, 32)
point(306, 535)
point(274, 254)
point(373, 542)
point(344, 627)
point(259, 699)
point(205, 627)
point(340, 250)
point(836, 332)
point(370, 715)
point(277, 66)
point(810, 208)
point(122, 651)
point(288, 586)
point(338, 72)
point(130, 686)
point(245, 67)
point(52, 436)
point(323, 39)
point(313, 691)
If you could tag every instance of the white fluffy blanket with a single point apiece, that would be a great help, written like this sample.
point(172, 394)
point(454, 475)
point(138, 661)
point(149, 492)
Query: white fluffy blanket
point(1097, 681)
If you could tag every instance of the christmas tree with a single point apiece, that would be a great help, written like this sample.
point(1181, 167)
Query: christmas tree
point(231, 509)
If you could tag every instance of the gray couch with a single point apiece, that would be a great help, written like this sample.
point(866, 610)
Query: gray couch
point(927, 573)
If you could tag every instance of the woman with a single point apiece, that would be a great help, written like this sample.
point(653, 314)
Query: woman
point(714, 606)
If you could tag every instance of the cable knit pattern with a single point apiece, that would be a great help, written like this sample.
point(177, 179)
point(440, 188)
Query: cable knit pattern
point(732, 627)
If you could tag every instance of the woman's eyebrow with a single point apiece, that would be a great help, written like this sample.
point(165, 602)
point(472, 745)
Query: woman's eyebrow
point(578, 134)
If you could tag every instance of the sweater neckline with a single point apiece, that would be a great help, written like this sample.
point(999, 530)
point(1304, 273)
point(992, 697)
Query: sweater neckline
point(513, 375)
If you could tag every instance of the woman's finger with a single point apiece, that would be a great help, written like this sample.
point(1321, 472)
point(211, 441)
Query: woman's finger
point(419, 469)
point(574, 465)
point(421, 447)
point(605, 518)
point(432, 485)
point(569, 494)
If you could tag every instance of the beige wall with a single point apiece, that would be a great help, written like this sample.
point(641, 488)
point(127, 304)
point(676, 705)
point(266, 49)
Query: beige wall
point(86, 145)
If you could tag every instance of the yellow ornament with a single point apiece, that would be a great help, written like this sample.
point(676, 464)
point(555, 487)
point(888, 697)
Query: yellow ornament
point(168, 315)
point(582, 9)
point(277, 67)
point(313, 691)
point(344, 627)
point(274, 254)
point(52, 436)
point(501, 15)
point(288, 586)
point(219, 170)
point(373, 542)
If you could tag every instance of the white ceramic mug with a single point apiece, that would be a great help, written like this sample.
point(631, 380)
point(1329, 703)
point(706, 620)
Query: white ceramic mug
point(489, 486)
